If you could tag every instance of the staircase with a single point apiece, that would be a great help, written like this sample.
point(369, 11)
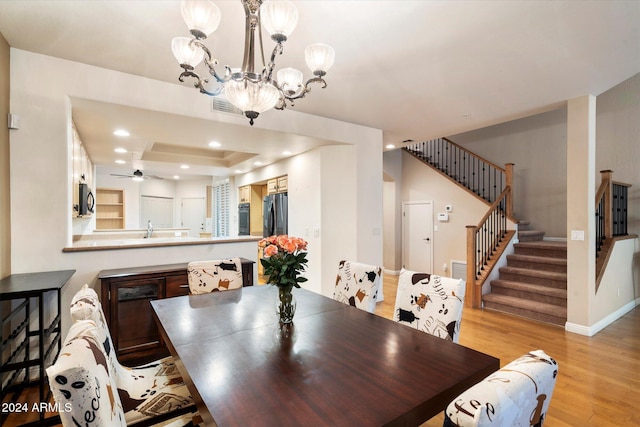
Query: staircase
point(534, 282)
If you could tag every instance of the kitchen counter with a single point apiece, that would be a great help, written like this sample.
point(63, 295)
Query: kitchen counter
point(136, 243)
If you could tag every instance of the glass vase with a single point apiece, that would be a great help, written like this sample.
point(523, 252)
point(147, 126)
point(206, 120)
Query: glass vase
point(285, 304)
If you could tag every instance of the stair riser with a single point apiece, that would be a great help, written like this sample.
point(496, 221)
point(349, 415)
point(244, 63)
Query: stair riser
point(542, 317)
point(533, 280)
point(538, 266)
point(551, 253)
point(530, 296)
point(531, 238)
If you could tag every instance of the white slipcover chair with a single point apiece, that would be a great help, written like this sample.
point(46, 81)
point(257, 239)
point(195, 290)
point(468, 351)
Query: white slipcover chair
point(81, 380)
point(214, 275)
point(357, 285)
point(147, 392)
point(430, 303)
point(517, 395)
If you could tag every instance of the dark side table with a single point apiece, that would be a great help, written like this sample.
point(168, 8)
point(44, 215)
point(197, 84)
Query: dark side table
point(16, 330)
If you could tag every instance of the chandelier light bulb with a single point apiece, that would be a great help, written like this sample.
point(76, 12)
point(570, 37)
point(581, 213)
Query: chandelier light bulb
point(201, 16)
point(290, 79)
point(252, 98)
point(279, 18)
point(185, 53)
point(319, 58)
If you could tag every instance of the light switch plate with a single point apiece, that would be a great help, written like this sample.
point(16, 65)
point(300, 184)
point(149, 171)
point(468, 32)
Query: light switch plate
point(577, 234)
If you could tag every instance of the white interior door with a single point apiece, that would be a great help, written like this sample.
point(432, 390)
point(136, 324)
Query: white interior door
point(417, 236)
point(194, 211)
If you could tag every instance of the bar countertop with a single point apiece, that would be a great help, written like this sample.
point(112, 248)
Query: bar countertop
point(154, 242)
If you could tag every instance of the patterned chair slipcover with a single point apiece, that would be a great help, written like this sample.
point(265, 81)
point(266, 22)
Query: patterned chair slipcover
point(214, 275)
point(430, 303)
point(145, 392)
point(518, 395)
point(81, 380)
point(357, 285)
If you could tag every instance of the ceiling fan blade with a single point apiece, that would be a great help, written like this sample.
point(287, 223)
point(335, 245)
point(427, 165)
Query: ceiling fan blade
point(121, 176)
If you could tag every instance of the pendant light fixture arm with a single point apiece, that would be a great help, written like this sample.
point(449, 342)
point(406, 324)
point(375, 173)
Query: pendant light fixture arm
point(300, 93)
point(277, 50)
point(211, 63)
point(199, 83)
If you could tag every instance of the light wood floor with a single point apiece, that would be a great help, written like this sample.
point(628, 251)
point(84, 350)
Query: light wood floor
point(598, 377)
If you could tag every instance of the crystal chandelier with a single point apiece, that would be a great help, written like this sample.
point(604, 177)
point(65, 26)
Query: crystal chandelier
point(252, 89)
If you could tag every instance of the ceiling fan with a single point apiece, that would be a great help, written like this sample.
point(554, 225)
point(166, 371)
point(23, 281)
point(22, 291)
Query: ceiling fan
point(137, 175)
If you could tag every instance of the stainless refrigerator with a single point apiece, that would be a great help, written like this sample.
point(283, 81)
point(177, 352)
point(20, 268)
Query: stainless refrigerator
point(275, 216)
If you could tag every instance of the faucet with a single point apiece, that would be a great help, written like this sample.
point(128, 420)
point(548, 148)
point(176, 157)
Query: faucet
point(149, 229)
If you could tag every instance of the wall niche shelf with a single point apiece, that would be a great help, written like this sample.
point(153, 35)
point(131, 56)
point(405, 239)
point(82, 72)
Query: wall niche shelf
point(109, 209)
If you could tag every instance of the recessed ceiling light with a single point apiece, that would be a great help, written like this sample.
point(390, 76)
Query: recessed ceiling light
point(214, 144)
point(176, 177)
point(286, 153)
point(184, 166)
point(121, 132)
point(391, 146)
point(120, 150)
point(120, 162)
point(258, 163)
point(237, 171)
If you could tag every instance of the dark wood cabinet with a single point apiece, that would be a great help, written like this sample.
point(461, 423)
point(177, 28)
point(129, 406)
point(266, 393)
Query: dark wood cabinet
point(126, 293)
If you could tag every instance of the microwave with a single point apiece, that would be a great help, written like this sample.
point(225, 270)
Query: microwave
point(86, 200)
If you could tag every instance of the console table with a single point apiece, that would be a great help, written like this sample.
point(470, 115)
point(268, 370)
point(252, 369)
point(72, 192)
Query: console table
point(20, 289)
point(125, 296)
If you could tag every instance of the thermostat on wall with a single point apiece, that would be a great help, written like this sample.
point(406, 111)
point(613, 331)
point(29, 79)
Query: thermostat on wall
point(443, 217)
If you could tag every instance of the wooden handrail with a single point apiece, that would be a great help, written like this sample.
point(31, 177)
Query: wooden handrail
point(605, 192)
point(493, 206)
point(474, 286)
point(611, 218)
point(471, 153)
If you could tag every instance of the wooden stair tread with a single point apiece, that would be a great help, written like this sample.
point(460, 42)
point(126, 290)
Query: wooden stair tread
point(528, 287)
point(543, 244)
point(530, 232)
point(551, 275)
point(539, 307)
point(538, 259)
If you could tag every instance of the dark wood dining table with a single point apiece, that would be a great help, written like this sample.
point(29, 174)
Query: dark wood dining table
point(335, 365)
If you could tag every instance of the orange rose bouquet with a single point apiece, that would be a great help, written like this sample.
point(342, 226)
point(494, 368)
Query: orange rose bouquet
point(285, 258)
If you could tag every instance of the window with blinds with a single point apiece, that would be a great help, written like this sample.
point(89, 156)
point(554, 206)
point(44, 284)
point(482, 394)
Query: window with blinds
point(220, 209)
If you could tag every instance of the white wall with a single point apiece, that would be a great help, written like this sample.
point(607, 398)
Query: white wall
point(323, 210)
point(537, 146)
point(40, 151)
point(422, 183)
point(618, 149)
point(392, 165)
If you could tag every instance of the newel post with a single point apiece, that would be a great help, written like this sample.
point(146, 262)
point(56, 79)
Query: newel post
point(508, 172)
point(473, 292)
point(606, 177)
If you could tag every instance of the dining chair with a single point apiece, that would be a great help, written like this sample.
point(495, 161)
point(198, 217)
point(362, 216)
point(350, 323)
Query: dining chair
point(81, 380)
point(214, 275)
point(517, 395)
point(357, 284)
point(149, 393)
point(430, 303)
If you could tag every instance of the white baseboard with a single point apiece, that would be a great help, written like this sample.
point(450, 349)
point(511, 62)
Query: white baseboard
point(392, 272)
point(600, 325)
